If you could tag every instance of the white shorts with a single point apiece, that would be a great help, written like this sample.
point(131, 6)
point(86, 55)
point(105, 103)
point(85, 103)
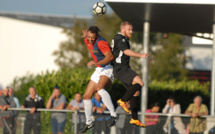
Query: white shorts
point(99, 71)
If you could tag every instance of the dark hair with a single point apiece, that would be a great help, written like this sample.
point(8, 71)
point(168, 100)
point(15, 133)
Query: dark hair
point(56, 87)
point(94, 29)
point(172, 98)
point(155, 104)
point(78, 93)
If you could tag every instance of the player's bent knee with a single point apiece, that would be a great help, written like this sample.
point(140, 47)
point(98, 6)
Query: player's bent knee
point(142, 83)
point(86, 97)
point(137, 93)
point(98, 88)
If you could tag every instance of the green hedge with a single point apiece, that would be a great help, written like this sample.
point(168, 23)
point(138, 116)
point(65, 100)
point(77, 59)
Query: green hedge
point(76, 80)
point(183, 91)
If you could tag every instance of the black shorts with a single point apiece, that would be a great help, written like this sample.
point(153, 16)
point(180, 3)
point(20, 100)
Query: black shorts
point(125, 75)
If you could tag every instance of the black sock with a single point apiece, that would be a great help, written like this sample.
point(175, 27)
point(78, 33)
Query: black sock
point(134, 107)
point(131, 91)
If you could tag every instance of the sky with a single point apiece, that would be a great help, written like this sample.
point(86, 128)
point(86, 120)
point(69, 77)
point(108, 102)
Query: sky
point(53, 7)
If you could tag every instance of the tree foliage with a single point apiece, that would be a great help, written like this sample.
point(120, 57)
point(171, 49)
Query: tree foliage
point(167, 59)
point(72, 52)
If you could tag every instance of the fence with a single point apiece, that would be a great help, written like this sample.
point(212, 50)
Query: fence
point(43, 122)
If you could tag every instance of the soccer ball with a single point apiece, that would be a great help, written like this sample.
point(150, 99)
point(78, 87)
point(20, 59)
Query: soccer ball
point(99, 8)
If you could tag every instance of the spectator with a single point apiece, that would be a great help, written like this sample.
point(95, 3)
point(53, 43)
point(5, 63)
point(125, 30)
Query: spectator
point(152, 120)
point(101, 120)
point(58, 119)
point(122, 123)
point(16, 100)
point(1, 91)
point(176, 122)
point(33, 101)
point(7, 116)
point(17, 106)
point(77, 104)
point(196, 110)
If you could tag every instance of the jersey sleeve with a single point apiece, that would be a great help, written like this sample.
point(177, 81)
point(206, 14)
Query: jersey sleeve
point(86, 41)
point(122, 45)
point(104, 46)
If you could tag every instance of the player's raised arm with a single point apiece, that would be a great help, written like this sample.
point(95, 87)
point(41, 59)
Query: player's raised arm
point(84, 33)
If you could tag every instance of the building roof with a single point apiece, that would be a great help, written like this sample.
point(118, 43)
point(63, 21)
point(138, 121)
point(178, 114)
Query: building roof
point(54, 20)
point(184, 16)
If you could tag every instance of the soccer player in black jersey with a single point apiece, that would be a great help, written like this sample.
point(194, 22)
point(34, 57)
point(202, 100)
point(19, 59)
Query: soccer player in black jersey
point(123, 72)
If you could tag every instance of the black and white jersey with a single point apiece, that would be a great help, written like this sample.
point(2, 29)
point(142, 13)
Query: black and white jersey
point(119, 44)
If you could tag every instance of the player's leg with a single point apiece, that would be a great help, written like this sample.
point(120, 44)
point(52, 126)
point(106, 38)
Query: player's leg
point(88, 106)
point(135, 86)
point(136, 83)
point(104, 82)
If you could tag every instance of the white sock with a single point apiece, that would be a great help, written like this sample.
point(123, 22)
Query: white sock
point(88, 107)
point(107, 101)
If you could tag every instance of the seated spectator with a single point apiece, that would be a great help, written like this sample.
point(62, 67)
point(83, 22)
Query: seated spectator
point(77, 104)
point(101, 120)
point(7, 116)
point(196, 110)
point(176, 122)
point(33, 121)
point(152, 120)
point(58, 119)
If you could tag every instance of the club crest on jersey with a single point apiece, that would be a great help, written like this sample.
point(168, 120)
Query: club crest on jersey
point(95, 51)
point(123, 40)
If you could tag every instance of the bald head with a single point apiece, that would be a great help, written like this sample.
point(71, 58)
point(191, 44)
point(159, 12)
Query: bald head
point(198, 101)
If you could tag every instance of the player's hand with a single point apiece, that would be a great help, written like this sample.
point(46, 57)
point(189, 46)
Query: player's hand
point(91, 63)
point(145, 55)
point(84, 33)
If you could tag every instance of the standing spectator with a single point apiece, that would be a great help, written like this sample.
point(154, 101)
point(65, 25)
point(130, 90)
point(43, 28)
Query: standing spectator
point(1, 91)
point(77, 104)
point(101, 120)
point(58, 119)
point(196, 110)
point(122, 123)
point(17, 106)
point(16, 100)
point(7, 116)
point(33, 101)
point(173, 108)
point(152, 120)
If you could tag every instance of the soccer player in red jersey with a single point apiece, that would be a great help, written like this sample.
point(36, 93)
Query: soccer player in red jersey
point(101, 78)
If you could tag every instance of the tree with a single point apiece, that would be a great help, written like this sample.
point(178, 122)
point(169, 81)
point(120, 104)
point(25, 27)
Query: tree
point(167, 58)
point(72, 52)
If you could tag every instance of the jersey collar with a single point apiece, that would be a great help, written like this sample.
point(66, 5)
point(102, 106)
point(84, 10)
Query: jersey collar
point(124, 36)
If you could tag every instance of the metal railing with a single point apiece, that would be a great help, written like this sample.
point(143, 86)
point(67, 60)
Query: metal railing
point(23, 122)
